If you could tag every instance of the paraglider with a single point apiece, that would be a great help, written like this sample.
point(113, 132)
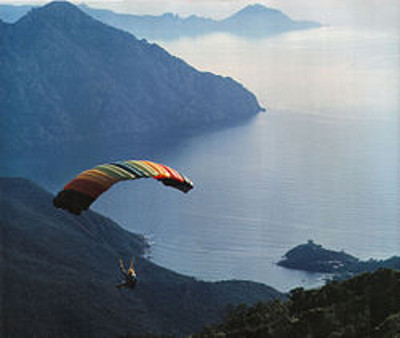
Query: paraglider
point(130, 278)
point(84, 189)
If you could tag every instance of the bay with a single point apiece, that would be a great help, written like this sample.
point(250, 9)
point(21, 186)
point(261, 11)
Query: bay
point(321, 164)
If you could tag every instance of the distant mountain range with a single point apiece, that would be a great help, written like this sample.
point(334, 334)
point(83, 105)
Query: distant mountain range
point(58, 275)
point(66, 77)
point(254, 20)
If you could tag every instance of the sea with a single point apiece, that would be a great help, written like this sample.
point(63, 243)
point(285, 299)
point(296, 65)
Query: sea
point(321, 164)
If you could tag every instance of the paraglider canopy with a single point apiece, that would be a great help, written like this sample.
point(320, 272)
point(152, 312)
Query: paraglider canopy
point(83, 190)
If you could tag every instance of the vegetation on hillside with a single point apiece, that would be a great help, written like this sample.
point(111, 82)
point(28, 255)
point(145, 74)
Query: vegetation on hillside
point(367, 305)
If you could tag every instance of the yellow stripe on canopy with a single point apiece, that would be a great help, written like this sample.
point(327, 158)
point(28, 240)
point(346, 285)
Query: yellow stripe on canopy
point(90, 176)
point(145, 168)
point(115, 172)
point(102, 174)
point(161, 171)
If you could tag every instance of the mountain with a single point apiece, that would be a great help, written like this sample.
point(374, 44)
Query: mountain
point(254, 20)
point(67, 77)
point(152, 27)
point(367, 305)
point(58, 273)
point(259, 20)
point(12, 13)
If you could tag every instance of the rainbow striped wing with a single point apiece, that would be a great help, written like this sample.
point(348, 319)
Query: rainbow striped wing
point(84, 189)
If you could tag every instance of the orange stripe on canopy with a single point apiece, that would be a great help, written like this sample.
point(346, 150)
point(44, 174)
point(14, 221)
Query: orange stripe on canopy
point(163, 173)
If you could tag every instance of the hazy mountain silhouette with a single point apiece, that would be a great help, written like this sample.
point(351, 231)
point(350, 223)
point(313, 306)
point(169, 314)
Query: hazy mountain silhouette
point(152, 27)
point(11, 13)
point(58, 273)
point(258, 20)
point(68, 77)
point(254, 20)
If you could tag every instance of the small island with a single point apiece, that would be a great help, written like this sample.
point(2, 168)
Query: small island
point(313, 257)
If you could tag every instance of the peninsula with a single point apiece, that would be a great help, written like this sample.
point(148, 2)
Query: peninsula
point(314, 257)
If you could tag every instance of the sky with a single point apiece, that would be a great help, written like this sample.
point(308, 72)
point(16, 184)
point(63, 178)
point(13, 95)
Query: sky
point(363, 13)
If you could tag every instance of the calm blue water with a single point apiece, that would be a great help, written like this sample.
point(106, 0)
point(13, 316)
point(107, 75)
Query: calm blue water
point(321, 164)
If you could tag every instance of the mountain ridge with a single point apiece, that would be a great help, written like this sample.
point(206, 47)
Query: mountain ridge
point(59, 270)
point(70, 78)
point(253, 20)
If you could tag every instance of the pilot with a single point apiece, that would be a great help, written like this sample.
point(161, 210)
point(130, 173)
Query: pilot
point(130, 278)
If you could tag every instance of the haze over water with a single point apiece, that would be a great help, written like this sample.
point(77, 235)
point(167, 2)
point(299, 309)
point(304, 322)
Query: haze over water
point(321, 164)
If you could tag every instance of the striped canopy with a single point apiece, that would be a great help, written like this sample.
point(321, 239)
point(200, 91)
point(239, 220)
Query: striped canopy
point(84, 189)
